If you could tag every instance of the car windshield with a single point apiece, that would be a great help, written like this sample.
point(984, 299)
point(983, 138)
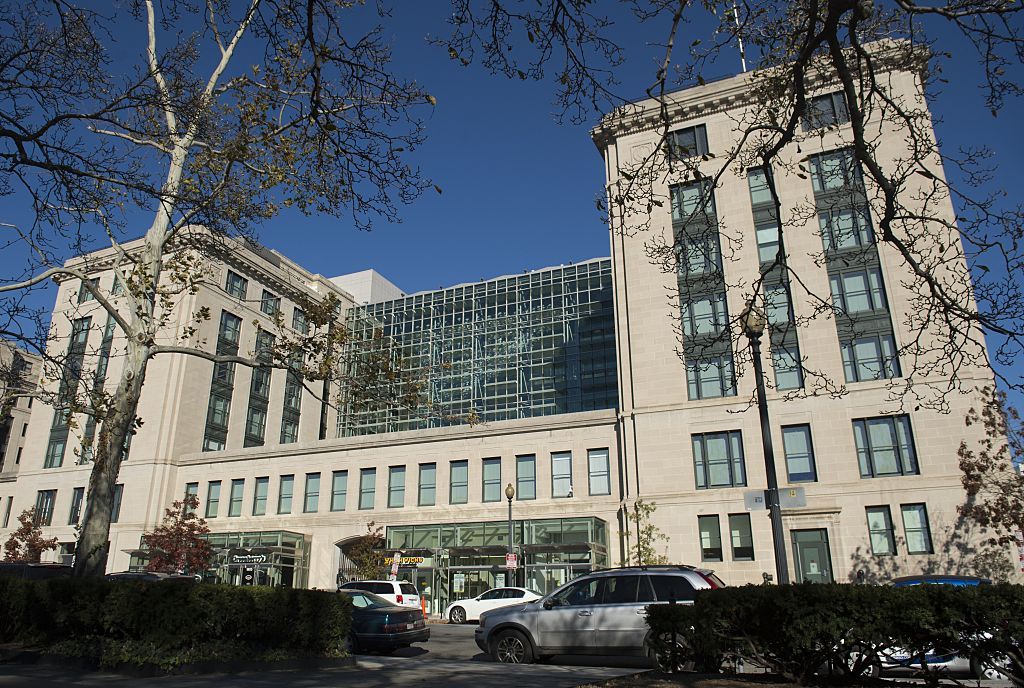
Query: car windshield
point(366, 600)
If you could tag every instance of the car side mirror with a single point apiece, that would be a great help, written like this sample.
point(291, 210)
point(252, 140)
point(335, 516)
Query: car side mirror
point(548, 604)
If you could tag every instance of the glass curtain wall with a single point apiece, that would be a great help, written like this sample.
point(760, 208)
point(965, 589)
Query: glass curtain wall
point(520, 346)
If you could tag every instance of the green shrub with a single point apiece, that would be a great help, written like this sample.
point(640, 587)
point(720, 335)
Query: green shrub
point(803, 632)
point(168, 624)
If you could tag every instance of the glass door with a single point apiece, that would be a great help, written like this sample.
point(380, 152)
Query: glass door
point(811, 556)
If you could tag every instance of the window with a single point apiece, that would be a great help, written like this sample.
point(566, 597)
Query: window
point(826, 111)
point(339, 490)
point(459, 482)
point(192, 490)
point(833, 171)
point(870, 358)
point(858, 291)
point(396, 487)
point(845, 228)
point(672, 588)
point(915, 527)
point(235, 498)
point(689, 142)
point(284, 494)
point(236, 285)
point(710, 376)
point(705, 315)
point(885, 446)
point(230, 327)
point(212, 498)
point(289, 431)
point(259, 496)
point(741, 537)
point(561, 474)
point(115, 508)
point(367, 487)
point(526, 477)
point(492, 480)
point(789, 373)
point(84, 295)
point(883, 541)
point(54, 453)
point(699, 255)
point(710, 538)
point(718, 460)
point(796, 443)
point(255, 424)
point(428, 484)
point(118, 289)
point(299, 322)
point(45, 499)
point(757, 181)
point(776, 301)
point(270, 304)
point(7, 511)
point(692, 199)
point(597, 468)
point(78, 495)
point(311, 503)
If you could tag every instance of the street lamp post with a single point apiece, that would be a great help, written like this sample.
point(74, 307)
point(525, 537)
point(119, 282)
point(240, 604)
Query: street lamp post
point(753, 326)
point(510, 493)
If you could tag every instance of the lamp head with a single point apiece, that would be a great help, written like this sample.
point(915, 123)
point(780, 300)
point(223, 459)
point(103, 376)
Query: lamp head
point(753, 320)
point(510, 492)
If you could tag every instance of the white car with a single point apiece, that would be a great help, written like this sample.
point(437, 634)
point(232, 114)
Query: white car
point(461, 611)
point(401, 593)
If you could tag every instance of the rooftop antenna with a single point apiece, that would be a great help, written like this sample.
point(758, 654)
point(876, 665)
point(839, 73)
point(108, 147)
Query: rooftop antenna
point(739, 38)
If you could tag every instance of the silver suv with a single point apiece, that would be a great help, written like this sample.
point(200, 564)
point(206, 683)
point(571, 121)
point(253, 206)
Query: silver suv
point(603, 612)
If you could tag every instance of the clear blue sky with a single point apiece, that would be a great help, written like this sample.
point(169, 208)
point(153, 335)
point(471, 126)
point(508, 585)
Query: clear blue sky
point(519, 189)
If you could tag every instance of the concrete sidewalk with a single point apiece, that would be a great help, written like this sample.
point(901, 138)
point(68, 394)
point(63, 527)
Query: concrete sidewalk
point(368, 672)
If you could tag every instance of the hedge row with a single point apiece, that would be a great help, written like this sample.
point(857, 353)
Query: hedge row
point(809, 632)
point(168, 624)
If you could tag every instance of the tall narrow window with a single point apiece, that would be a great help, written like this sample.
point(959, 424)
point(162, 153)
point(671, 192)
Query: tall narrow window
point(915, 526)
point(115, 508)
point(222, 385)
point(459, 483)
point(526, 477)
point(236, 285)
point(718, 460)
point(311, 504)
point(7, 511)
point(741, 537)
point(796, 442)
point(299, 322)
point(259, 496)
point(284, 494)
point(212, 498)
point(77, 496)
point(710, 538)
point(270, 304)
point(367, 487)
point(883, 540)
point(235, 498)
point(339, 490)
point(492, 480)
point(45, 500)
point(84, 295)
point(428, 484)
point(192, 490)
point(396, 487)
point(561, 474)
point(597, 467)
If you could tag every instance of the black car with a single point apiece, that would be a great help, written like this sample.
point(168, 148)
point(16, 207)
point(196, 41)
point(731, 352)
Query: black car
point(383, 626)
point(34, 571)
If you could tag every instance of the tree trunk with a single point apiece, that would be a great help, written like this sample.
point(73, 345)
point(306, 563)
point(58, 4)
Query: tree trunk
point(91, 551)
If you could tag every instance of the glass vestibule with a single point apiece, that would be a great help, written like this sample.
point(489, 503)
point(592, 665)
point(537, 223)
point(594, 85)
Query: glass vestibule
point(456, 561)
point(276, 557)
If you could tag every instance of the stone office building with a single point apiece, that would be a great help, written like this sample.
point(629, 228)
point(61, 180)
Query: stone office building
point(587, 400)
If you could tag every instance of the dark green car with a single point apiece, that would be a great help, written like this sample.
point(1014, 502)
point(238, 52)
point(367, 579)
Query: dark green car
point(379, 625)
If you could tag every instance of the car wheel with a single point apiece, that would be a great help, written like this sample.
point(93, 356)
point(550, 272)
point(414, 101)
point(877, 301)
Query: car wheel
point(992, 669)
point(457, 615)
point(669, 658)
point(511, 647)
point(861, 661)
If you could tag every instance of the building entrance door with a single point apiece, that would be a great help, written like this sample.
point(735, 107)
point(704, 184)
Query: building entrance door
point(811, 556)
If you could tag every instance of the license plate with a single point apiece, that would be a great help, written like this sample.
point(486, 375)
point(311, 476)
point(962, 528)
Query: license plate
point(410, 626)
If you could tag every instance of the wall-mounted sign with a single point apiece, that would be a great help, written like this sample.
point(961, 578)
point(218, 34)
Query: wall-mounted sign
point(241, 557)
point(404, 561)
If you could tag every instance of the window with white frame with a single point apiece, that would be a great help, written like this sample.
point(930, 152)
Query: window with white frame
point(598, 470)
point(396, 487)
point(339, 490)
point(492, 480)
point(561, 474)
point(311, 503)
point(259, 496)
point(367, 487)
point(212, 498)
point(428, 484)
point(284, 494)
point(235, 498)
point(526, 476)
point(458, 486)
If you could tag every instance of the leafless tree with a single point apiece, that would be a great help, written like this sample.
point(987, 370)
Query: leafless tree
point(190, 123)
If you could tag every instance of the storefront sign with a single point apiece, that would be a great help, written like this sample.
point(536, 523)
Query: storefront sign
point(242, 557)
point(404, 561)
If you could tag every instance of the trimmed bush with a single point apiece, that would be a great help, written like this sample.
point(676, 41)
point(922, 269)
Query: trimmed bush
point(168, 624)
point(805, 632)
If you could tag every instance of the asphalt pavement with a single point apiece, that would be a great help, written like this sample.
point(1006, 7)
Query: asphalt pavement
point(450, 658)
